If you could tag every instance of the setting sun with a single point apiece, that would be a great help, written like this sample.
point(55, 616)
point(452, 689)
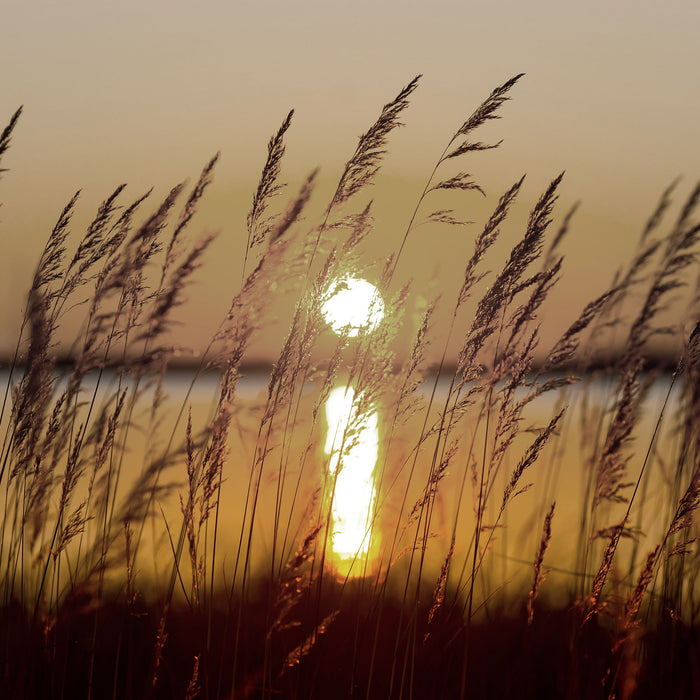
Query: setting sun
point(353, 304)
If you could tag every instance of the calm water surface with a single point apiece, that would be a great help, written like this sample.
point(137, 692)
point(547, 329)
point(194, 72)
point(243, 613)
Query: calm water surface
point(560, 475)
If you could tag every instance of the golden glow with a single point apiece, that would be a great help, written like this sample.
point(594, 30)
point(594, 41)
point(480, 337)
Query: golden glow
point(353, 304)
point(352, 443)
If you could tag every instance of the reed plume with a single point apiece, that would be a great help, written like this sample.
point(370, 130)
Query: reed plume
point(539, 559)
point(361, 169)
point(268, 607)
point(6, 135)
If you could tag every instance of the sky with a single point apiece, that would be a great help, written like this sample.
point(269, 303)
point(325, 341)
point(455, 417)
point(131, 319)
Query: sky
point(145, 92)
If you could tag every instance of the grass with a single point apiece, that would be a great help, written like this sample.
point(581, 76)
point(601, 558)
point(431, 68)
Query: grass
point(129, 581)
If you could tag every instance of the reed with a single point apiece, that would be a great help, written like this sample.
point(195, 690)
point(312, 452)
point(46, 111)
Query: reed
point(135, 586)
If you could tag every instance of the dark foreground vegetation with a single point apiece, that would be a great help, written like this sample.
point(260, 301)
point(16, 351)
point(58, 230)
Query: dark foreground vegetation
point(116, 587)
point(555, 657)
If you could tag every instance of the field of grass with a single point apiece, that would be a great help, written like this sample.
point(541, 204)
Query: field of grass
point(532, 530)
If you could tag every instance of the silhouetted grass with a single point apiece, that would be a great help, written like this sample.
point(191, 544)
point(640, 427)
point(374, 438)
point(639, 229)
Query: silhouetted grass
point(132, 586)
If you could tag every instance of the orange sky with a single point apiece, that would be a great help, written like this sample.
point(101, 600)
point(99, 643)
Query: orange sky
point(146, 92)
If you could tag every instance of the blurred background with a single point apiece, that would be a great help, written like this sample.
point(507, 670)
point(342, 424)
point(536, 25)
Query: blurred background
point(146, 93)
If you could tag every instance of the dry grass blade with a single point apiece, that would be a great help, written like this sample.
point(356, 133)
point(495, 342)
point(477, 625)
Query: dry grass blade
point(565, 348)
point(635, 598)
point(470, 147)
point(460, 181)
point(42, 479)
point(628, 668)
point(299, 652)
point(685, 512)
point(93, 246)
point(483, 113)
point(129, 584)
point(161, 639)
point(677, 256)
point(171, 295)
point(441, 586)
point(50, 264)
point(125, 272)
point(520, 320)
point(143, 243)
point(486, 239)
point(487, 110)
point(559, 235)
point(507, 283)
point(445, 216)
point(217, 449)
point(529, 458)
point(294, 581)
point(6, 135)
point(188, 212)
point(692, 354)
point(657, 215)
point(193, 687)
point(104, 446)
point(592, 602)
point(539, 558)
point(531, 245)
point(75, 525)
point(407, 400)
point(248, 304)
point(683, 226)
point(292, 213)
point(622, 529)
point(690, 363)
point(31, 402)
point(612, 466)
point(268, 187)
point(363, 166)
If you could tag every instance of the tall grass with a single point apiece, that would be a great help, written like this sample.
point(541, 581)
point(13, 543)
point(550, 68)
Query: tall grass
point(443, 604)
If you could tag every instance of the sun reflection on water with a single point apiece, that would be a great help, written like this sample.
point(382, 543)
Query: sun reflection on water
point(352, 444)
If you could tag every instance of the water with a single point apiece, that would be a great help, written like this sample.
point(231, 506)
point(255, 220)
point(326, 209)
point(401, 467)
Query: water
point(286, 487)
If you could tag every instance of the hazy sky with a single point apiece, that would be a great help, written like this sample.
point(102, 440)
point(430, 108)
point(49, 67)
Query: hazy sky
point(145, 92)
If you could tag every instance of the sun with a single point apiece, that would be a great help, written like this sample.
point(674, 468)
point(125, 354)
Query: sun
point(353, 304)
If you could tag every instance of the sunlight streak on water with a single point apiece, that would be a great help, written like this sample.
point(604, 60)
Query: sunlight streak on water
point(352, 444)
